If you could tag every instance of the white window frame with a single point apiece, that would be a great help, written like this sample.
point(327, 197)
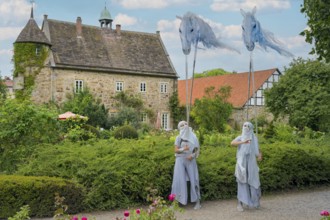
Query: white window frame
point(163, 87)
point(38, 50)
point(143, 87)
point(144, 117)
point(165, 122)
point(119, 86)
point(78, 86)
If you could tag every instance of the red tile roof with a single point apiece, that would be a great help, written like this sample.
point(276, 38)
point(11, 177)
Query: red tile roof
point(238, 83)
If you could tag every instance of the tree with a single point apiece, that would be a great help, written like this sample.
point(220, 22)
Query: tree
point(85, 104)
point(213, 72)
point(177, 111)
point(303, 95)
point(212, 111)
point(3, 89)
point(318, 14)
point(130, 107)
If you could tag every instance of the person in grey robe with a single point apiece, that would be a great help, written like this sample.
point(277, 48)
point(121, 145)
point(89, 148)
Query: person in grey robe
point(185, 167)
point(247, 170)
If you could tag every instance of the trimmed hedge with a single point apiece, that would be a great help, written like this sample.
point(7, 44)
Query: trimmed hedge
point(39, 194)
point(116, 173)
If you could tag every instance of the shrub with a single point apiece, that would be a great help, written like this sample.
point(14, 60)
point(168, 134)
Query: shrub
point(116, 173)
point(126, 132)
point(38, 193)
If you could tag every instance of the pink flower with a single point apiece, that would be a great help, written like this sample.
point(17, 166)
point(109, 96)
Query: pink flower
point(84, 218)
point(138, 211)
point(324, 213)
point(74, 218)
point(171, 197)
point(126, 213)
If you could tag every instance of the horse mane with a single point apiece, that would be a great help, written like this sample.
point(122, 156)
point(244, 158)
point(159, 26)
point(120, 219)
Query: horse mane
point(205, 33)
point(266, 38)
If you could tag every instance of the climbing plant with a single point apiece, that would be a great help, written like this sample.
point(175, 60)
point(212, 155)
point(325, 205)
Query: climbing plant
point(28, 60)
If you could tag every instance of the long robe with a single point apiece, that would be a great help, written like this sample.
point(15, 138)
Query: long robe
point(185, 170)
point(247, 172)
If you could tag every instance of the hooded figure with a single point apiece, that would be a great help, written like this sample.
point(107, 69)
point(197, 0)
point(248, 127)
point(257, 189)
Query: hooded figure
point(185, 168)
point(247, 170)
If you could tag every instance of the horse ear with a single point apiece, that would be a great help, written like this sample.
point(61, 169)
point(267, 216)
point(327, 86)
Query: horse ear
point(243, 13)
point(179, 17)
point(254, 10)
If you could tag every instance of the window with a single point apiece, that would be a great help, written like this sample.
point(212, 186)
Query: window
point(144, 117)
point(79, 86)
point(165, 121)
point(119, 86)
point(143, 87)
point(163, 87)
point(38, 50)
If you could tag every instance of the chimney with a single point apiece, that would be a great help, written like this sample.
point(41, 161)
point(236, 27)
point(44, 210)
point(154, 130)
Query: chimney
point(118, 28)
point(45, 17)
point(78, 27)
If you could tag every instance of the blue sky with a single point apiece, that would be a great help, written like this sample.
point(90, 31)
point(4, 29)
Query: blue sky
point(282, 17)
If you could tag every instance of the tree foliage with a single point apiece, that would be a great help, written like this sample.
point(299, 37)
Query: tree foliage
point(318, 14)
point(213, 72)
point(85, 104)
point(3, 89)
point(130, 108)
point(212, 111)
point(303, 95)
point(177, 111)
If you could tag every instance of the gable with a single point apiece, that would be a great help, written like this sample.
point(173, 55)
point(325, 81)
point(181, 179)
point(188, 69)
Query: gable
point(238, 83)
point(104, 49)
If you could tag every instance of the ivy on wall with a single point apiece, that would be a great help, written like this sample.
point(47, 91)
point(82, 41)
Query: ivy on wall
point(28, 60)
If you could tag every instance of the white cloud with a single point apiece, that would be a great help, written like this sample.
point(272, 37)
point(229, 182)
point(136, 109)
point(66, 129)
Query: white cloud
point(9, 33)
point(124, 19)
point(229, 5)
point(14, 11)
point(154, 4)
point(130, 4)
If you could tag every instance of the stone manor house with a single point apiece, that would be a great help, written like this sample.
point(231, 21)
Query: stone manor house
point(105, 60)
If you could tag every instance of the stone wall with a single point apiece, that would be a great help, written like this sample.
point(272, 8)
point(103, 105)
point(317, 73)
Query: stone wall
point(239, 116)
point(55, 84)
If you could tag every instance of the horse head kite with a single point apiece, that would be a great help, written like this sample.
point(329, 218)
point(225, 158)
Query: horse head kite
point(193, 30)
point(253, 33)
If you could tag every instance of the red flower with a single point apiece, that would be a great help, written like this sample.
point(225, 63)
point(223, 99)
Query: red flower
point(74, 218)
point(84, 218)
point(171, 197)
point(138, 211)
point(126, 213)
point(324, 213)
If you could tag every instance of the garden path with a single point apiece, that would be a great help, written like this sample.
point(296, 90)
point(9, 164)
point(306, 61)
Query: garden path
point(306, 204)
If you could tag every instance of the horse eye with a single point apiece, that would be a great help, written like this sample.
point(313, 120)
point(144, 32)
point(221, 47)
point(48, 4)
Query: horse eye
point(243, 28)
point(191, 30)
point(254, 26)
point(180, 30)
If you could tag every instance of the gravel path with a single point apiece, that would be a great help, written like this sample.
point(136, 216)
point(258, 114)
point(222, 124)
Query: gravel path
point(305, 204)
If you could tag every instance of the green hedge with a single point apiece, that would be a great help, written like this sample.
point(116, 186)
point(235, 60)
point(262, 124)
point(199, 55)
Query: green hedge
point(116, 173)
point(39, 194)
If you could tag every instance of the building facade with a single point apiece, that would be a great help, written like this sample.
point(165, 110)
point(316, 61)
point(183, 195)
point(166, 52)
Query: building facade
point(248, 101)
point(104, 60)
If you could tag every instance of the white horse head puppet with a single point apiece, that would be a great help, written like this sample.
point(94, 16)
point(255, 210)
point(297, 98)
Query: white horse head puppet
point(253, 33)
point(193, 30)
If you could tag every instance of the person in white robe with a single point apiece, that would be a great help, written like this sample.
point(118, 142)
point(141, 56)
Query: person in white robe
point(247, 170)
point(185, 167)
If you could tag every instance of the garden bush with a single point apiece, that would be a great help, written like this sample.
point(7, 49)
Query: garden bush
point(126, 132)
point(116, 173)
point(38, 193)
